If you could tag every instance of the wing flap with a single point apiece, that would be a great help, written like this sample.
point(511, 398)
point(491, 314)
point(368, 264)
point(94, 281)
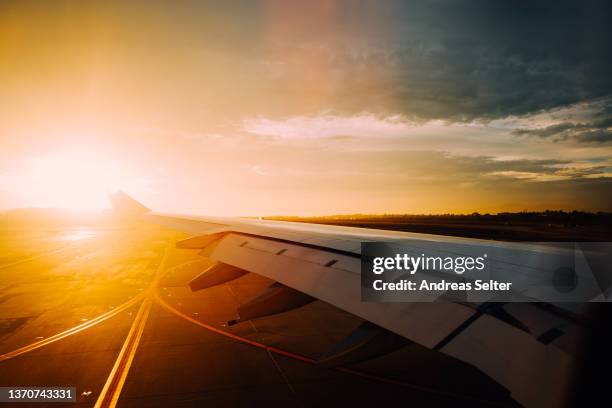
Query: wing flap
point(426, 324)
point(537, 374)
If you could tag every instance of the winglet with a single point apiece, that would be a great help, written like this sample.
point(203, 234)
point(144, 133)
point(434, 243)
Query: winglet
point(124, 204)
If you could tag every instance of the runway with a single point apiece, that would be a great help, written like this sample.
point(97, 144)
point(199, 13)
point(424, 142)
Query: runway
point(111, 315)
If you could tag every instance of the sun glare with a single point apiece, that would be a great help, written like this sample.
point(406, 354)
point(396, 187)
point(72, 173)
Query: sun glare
point(77, 235)
point(75, 179)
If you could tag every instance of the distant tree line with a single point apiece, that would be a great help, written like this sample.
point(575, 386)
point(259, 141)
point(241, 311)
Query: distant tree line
point(558, 217)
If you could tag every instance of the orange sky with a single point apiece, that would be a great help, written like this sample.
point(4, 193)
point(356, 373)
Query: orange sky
point(260, 109)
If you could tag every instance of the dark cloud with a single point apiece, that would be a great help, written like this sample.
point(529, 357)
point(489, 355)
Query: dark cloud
point(501, 58)
point(484, 165)
point(464, 60)
point(595, 136)
point(588, 171)
point(553, 130)
point(597, 131)
point(455, 60)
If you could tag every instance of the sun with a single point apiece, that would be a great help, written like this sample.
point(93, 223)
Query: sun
point(73, 179)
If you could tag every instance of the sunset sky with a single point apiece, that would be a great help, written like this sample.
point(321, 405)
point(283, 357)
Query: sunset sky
point(307, 108)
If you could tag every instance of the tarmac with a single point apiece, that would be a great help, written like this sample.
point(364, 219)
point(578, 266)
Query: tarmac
point(108, 311)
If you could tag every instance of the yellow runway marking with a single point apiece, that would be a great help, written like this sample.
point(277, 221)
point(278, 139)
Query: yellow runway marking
point(112, 389)
point(116, 379)
point(72, 330)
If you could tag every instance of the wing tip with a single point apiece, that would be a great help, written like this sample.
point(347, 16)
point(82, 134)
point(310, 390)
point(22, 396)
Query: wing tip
point(124, 204)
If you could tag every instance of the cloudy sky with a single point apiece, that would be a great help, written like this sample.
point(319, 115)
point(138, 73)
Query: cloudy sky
point(319, 107)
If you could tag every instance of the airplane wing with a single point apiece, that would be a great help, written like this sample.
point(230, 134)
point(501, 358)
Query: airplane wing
point(526, 347)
